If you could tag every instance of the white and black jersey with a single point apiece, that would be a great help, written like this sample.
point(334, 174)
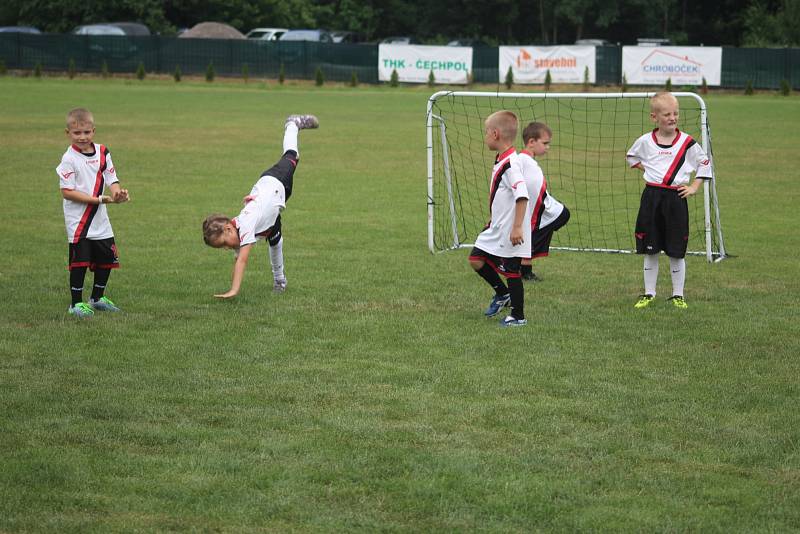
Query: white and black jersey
point(259, 215)
point(670, 165)
point(87, 173)
point(506, 186)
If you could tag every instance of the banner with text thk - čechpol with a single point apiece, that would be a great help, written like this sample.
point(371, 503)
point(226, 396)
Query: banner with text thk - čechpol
point(529, 64)
point(414, 64)
point(683, 65)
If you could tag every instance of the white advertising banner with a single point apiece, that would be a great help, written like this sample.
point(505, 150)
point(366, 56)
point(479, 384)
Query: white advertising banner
point(413, 63)
point(529, 64)
point(683, 65)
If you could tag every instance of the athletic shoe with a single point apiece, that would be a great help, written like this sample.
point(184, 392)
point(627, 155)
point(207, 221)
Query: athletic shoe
point(81, 310)
point(304, 122)
point(498, 303)
point(644, 301)
point(531, 277)
point(678, 302)
point(103, 304)
point(279, 286)
point(509, 321)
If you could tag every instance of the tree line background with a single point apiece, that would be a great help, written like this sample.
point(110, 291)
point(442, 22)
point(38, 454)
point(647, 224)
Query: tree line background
point(494, 22)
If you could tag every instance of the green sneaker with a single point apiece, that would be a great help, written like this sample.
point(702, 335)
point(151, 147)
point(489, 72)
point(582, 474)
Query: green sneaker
point(103, 304)
point(81, 310)
point(644, 301)
point(678, 302)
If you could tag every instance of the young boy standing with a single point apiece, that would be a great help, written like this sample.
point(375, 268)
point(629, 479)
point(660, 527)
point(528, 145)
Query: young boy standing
point(547, 214)
point(668, 157)
point(85, 169)
point(261, 216)
point(500, 247)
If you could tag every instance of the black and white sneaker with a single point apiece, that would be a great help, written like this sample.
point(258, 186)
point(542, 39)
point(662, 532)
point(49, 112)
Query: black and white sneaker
point(303, 122)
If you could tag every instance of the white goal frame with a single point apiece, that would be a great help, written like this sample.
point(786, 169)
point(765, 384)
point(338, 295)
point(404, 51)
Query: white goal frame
point(709, 186)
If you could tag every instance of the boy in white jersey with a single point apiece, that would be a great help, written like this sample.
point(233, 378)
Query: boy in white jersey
point(500, 247)
point(85, 169)
point(547, 215)
point(261, 216)
point(668, 157)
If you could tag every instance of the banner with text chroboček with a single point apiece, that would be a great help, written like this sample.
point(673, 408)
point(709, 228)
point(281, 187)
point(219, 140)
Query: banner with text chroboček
point(414, 64)
point(683, 65)
point(529, 64)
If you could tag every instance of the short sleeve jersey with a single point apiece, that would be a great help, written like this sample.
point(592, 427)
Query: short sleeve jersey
point(669, 166)
point(543, 207)
point(258, 216)
point(506, 186)
point(87, 173)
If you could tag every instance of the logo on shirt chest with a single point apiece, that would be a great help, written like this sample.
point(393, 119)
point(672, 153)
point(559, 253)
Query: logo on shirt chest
point(665, 152)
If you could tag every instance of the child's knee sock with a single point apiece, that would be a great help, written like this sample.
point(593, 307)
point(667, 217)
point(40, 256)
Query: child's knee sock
point(678, 268)
point(493, 279)
point(276, 259)
point(290, 138)
point(650, 273)
point(100, 281)
point(517, 298)
point(76, 276)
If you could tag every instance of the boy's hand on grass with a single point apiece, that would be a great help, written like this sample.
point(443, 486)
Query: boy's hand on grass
point(226, 295)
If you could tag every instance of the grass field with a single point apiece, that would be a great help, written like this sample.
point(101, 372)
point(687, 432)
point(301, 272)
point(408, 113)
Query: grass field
point(373, 395)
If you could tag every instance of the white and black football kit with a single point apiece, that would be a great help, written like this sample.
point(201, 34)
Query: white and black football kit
point(546, 214)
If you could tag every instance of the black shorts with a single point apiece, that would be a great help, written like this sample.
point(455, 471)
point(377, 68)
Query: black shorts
point(94, 254)
point(662, 223)
point(283, 171)
point(508, 267)
point(541, 237)
point(273, 233)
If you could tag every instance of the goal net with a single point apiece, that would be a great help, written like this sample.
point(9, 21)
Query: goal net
point(585, 169)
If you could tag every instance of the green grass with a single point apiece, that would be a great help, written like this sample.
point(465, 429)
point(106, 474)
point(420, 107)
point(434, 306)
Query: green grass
point(373, 395)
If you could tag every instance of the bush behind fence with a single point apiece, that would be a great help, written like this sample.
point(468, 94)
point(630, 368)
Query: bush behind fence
point(763, 68)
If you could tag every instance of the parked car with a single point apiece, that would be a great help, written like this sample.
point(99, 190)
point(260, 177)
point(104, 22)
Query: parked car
point(347, 37)
point(466, 42)
point(19, 29)
point(592, 42)
point(399, 40)
point(652, 41)
point(113, 28)
point(266, 34)
point(319, 36)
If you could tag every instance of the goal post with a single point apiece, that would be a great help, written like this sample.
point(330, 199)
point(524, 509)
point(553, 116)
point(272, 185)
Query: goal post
point(585, 168)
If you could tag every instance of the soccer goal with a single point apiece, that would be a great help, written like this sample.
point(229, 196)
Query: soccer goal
point(585, 168)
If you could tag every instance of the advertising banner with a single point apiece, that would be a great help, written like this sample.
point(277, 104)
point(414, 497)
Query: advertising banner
point(684, 65)
point(529, 64)
point(414, 63)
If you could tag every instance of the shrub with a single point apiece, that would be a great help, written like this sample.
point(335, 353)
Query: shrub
point(748, 88)
point(71, 69)
point(548, 80)
point(668, 85)
point(177, 74)
point(353, 79)
point(470, 78)
point(786, 87)
point(140, 74)
point(586, 79)
point(281, 74)
point(3, 69)
point(37, 69)
point(431, 79)
point(319, 77)
point(104, 70)
point(394, 79)
point(509, 78)
point(245, 72)
point(210, 72)
point(704, 87)
point(624, 87)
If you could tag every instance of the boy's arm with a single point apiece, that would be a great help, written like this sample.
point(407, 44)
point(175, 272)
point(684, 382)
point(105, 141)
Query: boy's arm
point(685, 191)
point(118, 195)
point(238, 273)
point(520, 207)
point(79, 196)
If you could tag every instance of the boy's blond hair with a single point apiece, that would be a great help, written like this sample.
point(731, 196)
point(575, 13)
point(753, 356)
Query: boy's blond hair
point(506, 124)
point(213, 227)
point(80, 116)
point(534, 131)
point(660, 99)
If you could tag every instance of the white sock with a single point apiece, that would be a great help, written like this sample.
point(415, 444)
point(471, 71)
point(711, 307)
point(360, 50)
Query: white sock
point(276, 259)
point(678, 268)
point(290, 138)
point(650, 273)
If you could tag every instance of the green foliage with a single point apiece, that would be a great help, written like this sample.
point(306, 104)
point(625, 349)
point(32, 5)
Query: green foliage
point(585, 79)
point(668, 85)
point(548, 80)
point(431, 79)
point(394, 79)
point(37, 69)
point(281, 74)
point(3, 68)
point(353, 79)
point(71, 69)
point(104, 70)
point(624, 87)
point(786, 87)
point(245, 72)
point(319, 77)
point(769, 24)
point(140, 72)
point(210, 72)
point(177, 75)
point(509, 81)
point(704, 87)
point(748, 88)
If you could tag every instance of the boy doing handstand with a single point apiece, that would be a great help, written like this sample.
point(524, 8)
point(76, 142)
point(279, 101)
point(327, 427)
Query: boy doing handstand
point(261, 216)
point(668, 157)
point(500, 247)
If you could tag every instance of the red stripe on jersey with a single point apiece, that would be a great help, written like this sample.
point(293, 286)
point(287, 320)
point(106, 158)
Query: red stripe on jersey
point(538, 208)
point(495, 183)
point(91, 209)
point(677, 163)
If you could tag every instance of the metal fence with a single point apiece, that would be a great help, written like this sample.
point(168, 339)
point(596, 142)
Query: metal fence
point(764, 68)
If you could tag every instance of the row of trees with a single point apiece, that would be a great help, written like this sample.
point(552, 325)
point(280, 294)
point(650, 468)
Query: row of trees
point(710, 22)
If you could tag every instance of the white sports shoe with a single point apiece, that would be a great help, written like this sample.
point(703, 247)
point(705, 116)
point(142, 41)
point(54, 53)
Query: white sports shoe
point(304, 122)
point(279, 286)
